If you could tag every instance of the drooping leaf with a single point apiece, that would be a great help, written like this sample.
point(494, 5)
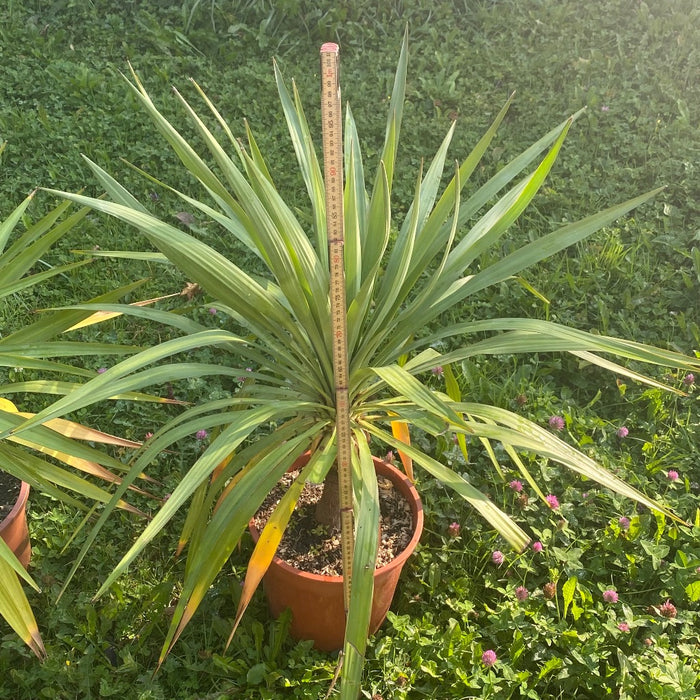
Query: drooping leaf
point(14, 606)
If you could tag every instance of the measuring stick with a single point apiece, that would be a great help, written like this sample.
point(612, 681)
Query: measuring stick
point(333, 173)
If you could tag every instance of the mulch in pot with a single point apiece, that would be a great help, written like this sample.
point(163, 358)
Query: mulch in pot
point(311, 547)
point(9, 492)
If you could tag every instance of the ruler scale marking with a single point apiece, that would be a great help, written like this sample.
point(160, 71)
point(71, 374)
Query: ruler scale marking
point(333, 177)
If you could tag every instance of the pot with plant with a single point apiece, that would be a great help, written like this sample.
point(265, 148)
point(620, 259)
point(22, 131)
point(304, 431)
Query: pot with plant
point(306, 574)
point(407, 286)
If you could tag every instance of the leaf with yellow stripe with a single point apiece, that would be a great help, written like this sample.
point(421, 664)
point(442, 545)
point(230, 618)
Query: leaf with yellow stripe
point(268, 542)
point(196, 514)
point(71, 430)
point(7, 405)
point(14, 606)
point(223, 529)
point(77, 431)
point(400, 430)
point(83, 432)
point(101, 316)
point(222, 465)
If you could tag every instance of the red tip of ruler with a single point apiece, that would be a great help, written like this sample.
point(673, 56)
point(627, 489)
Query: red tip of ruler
point(329, 47)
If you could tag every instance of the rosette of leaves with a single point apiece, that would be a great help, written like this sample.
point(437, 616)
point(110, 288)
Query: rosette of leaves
point(406, 283)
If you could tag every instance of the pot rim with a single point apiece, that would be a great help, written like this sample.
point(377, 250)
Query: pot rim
point(20, 503)
point(416, 505)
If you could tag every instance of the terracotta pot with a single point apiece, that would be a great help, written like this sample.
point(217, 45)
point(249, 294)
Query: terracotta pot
point(14, 530)
point(316, 601)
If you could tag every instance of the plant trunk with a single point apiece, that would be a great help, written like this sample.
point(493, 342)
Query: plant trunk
point(328, 507)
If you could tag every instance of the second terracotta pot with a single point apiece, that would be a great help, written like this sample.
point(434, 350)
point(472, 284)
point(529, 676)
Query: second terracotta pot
point(14, 530)
point(316, 601)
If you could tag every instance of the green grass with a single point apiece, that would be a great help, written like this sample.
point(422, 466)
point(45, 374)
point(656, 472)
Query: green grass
point(633, 64)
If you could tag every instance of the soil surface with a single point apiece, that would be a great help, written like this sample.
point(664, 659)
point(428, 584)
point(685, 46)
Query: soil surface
point(9, 492)
point(306, 545)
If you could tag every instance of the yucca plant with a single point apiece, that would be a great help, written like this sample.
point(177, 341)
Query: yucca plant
point(403, 280)
point(36, 456)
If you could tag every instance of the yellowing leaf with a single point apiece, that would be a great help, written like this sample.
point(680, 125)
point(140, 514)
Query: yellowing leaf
point(224, 463)
point(14, 606)
point(267, 544)
point(82, 432)
point(400, 431)
point(100, 316)
point(233, 481)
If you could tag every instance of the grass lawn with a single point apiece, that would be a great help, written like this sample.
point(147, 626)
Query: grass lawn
point(608, 605)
